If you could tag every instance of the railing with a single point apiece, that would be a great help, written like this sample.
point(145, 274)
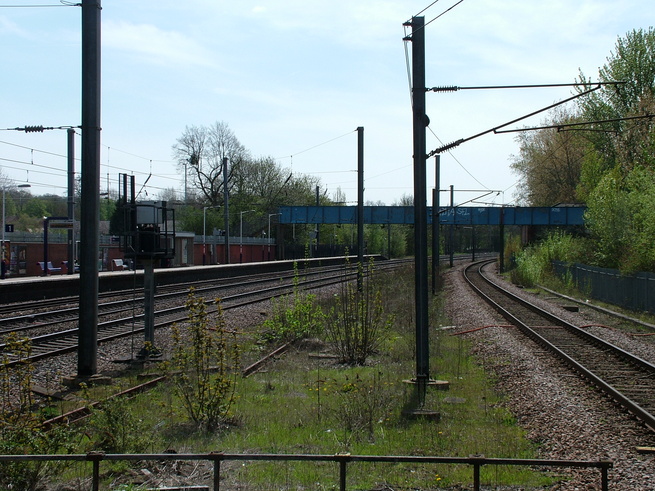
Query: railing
point(342, 459)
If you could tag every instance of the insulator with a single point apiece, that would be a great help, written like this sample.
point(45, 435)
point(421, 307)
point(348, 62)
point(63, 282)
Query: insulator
point(33, 129)
point(447, 88)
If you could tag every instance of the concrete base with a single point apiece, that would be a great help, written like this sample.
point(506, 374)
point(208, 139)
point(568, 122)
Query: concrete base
point(422, 414)
point(435, 384)
point(74, 381)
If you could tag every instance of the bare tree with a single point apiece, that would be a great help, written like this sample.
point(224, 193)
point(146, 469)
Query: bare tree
point(199, 153)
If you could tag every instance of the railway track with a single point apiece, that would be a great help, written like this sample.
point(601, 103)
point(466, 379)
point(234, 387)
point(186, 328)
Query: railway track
point(626, 378)
point(61, 341)
point(53, 312)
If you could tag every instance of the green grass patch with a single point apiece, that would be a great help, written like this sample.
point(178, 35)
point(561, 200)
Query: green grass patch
point(302, 403)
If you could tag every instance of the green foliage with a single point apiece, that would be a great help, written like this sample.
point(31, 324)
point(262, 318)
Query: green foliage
point(205, 365)
point(362, 404)
point(358, 321)
point(114, 427)
point(21, 430)
point(621, 218)
point(550, 162)
point(295, 316)
point(36, 208)
point(534, 263)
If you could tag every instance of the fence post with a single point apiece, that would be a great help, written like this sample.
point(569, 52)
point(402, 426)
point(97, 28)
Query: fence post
point(476, 461)
point(343, 461)
point(216, 458)
point(95, 458)
point(604, 480)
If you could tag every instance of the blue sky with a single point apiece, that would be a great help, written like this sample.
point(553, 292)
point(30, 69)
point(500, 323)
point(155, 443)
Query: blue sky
point(294, 79)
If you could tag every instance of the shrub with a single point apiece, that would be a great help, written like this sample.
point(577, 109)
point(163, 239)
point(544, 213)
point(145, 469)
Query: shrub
point(295, 316)
point(21, 430)
point(358, 321)
point(205, 365)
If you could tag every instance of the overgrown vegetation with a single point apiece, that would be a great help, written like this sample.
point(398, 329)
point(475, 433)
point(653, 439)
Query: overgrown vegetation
point(204, 365)
point(611, 167)
point(21, 430)
point(307, 401)
point(295, 315)
point(357, 321)
point(534, 263)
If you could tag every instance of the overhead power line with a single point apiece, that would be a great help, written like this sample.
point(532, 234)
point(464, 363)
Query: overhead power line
point(562, 126)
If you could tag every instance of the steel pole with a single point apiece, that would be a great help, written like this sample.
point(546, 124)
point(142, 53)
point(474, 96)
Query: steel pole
point(360, 205)
point(90, 213)
point(420, 122)
point(4, 224)
point(71, 199)
point(227, 213)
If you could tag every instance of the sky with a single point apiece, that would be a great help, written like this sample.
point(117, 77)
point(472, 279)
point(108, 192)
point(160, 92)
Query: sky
point(293, 80)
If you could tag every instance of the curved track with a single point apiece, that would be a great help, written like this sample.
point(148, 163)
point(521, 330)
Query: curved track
point(626, 378)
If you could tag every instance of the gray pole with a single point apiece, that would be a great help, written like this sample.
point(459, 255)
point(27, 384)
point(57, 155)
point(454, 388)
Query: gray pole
point(452, 226)
point(227, 213)
point(149, 304)
point(90, 211)
point(435, 225)
point(420, 122)
point(71, 200)
point(317, 225)
point(360, 202)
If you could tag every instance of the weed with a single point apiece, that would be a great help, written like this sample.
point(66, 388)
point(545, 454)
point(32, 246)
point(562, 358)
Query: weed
point(21, 430)
point(358, 321)
point(295, 316)
point(116, 428)
point(204, 365)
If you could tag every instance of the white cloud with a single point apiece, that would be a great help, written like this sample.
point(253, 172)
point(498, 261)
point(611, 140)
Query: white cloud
point(154, 45)
point(8, 27)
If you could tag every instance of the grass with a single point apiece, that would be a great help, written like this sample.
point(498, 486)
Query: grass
point(307, 404)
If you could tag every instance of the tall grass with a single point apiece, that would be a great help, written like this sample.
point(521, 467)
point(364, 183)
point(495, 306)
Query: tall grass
point(534, 263)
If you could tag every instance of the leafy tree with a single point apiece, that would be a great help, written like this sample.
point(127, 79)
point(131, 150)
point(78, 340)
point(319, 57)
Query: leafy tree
point(36, 208)
point(621, 218)
point(632, 62)
point(550, 163)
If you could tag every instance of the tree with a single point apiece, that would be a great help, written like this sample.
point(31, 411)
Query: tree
point(200, 152)
point(632, 62)
point(550, 162)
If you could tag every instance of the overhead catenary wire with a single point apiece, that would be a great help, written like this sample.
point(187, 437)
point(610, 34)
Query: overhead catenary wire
point(315, 146)
point(63, 3)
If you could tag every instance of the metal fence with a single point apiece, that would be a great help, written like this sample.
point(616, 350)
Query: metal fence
point(633, 292)
point(476, 462)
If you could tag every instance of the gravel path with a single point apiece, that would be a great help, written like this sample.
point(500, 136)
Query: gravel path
point(557, 409)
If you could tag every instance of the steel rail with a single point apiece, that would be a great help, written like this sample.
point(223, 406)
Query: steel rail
point(641, 413)
point(62, 342)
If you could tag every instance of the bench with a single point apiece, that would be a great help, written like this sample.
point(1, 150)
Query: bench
point(118, 265)
point(51, 268)
point(64, 267)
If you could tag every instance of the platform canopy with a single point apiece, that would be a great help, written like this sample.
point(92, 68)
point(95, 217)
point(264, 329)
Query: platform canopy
point(464, 215)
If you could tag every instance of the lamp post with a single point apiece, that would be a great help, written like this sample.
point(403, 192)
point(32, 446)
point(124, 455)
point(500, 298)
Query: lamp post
point(241, 233)
point(4, 226)
point(269, 233)
point(204, 223)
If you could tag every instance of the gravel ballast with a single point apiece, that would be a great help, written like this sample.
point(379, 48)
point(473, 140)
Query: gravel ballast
point(559, 411)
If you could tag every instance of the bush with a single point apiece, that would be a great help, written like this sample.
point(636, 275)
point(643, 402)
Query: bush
point(205, 365)
point(295, 316)
point(358, 321)
point(21, 430)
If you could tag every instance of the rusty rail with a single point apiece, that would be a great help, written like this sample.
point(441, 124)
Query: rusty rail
point(476, 461)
